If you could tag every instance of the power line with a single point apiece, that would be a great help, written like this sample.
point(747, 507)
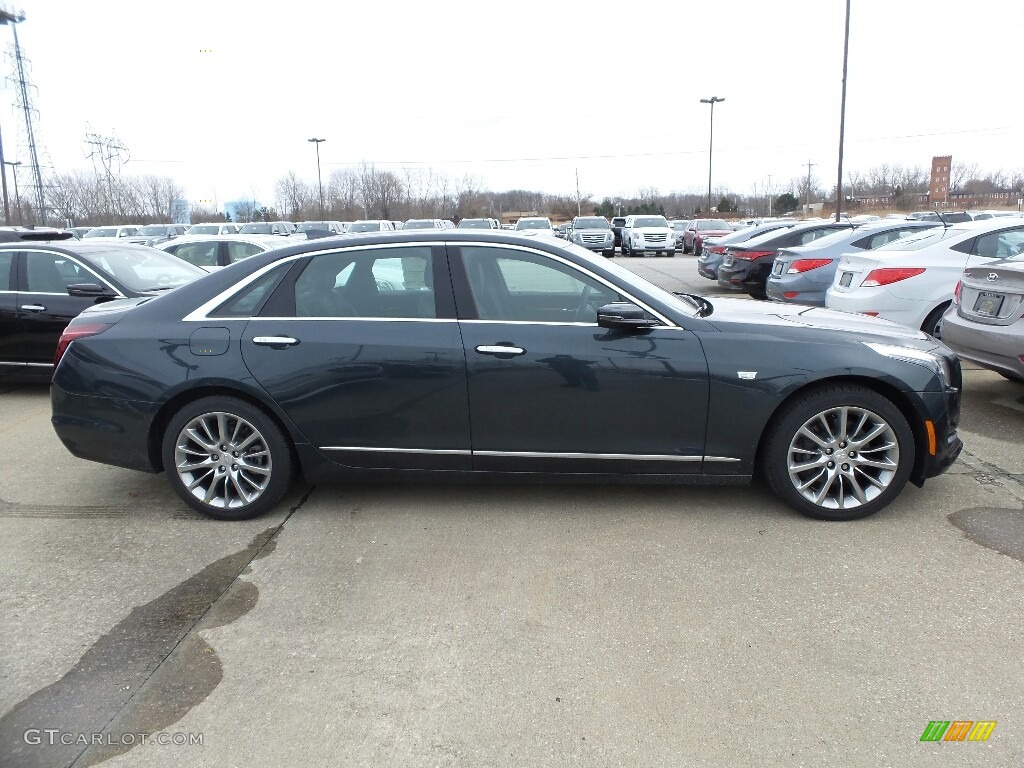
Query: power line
point(617, 156)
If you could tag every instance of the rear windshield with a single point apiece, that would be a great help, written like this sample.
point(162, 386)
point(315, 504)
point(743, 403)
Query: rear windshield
point(927, 237)
point(474, 224)
point(143, 269)
point(419, 224)
point(152, 231)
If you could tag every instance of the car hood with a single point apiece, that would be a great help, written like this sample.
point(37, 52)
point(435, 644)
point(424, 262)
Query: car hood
point(772, 315)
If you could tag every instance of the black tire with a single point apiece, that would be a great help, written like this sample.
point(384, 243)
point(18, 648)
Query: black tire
point(761, 294)
point(626, 250)
point(698, 249)
point(609, 254)
point(933, 323)
point(784, 438)
point(264, 457)
point(686, 248)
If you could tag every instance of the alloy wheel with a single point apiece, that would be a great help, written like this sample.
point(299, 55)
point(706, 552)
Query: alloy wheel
point(222, 460)
point(843, 457)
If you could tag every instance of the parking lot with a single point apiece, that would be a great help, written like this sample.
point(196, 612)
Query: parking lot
point(509, 625)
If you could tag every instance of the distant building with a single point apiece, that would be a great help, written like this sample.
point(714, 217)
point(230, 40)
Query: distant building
point(181, 212)
point(938, 185)
point(241, 210)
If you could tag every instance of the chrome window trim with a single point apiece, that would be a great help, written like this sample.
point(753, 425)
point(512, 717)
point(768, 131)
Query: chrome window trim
point(200, 313)
point(571, 265)
point(86, 267)
point(26, 365)
point(721, 458)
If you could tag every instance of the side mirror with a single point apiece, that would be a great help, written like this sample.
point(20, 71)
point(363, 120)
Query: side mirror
point(88, 290)
point(624, 316)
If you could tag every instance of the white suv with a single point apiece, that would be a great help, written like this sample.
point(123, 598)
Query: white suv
point(644, 233)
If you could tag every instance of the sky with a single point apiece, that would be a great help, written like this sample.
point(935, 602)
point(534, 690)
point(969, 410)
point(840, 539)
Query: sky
point(223, 95)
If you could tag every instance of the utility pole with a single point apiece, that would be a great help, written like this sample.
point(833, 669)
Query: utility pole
point(770, 201)
point(578, 211)
point(842, 114)
point(807, 205)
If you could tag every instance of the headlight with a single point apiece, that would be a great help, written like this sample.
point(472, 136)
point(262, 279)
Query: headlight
point(937, 363)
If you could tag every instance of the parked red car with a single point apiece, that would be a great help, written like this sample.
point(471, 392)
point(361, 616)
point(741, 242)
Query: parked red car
point(698, 229)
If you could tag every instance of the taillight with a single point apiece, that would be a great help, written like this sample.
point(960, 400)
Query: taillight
point(890, 275)
point(714, 248)
point(806, 265)
point(957, 291)
point(78, 332)
point(751, 255)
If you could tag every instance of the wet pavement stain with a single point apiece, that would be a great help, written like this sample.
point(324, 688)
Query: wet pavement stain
point(151, 658)
point(993, 527)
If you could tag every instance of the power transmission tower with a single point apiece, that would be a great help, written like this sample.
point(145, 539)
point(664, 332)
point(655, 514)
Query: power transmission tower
point(24, 103)
point(108, 154)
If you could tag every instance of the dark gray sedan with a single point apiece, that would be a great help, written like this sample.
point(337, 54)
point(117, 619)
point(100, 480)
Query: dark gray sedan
point(713, 251)
point(985, 323)
point(478, 355)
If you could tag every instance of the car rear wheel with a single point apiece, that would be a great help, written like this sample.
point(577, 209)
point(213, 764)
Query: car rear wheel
point(609, 254)
point(840, 452)
point(933, 323)
point(226, 458)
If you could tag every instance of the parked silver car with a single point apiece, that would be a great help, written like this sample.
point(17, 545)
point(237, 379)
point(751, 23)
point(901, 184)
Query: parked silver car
point(985, 323)
point(802, 274)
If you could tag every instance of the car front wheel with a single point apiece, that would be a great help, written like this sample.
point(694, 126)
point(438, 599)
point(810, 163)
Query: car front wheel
point(840, 452)
point(226, 458)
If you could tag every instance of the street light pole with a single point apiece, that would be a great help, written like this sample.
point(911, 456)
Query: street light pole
point(711, 142)
point(319, 180)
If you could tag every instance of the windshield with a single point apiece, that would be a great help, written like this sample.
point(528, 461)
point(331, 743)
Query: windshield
point(204, 229)
point(307, 225)
point(365, 226)
point(145, 269)
point(256, 229)
point(102, 232)
point(533, 224)
point(152, 231)
point(419, 224)
point(474, 224)
point(713, 224)
point(591, 222)
point(650, 221)
point(680, 225)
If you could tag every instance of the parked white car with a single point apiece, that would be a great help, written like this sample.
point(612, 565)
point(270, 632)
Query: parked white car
point(643, 233)
point(542, 223)
point(911, 281)
point(111, 232)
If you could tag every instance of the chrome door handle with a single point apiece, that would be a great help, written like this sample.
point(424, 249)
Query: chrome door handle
point(274, 341)
point(33, 307)
point(497, 349)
